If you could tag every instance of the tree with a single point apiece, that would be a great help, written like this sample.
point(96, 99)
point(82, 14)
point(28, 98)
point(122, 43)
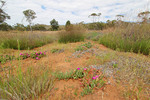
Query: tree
point(19, 27)
point(5, 27)
point(54, 24)
point(93, 15)
point(3, 15)
point(99, 14)
point(68, 26)
point(30, 15)
point(145, 16)
point(119, 17)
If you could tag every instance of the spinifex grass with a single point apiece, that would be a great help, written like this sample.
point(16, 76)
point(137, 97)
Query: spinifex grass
point(28, 85)
point(90, 78)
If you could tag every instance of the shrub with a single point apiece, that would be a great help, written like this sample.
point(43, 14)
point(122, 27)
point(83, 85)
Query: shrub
point(5, 27)
point(74, 35)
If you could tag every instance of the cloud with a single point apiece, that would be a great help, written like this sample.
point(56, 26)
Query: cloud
point(74, 10)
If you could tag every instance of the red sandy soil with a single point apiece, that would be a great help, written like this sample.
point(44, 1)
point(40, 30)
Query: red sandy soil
point(70, 89)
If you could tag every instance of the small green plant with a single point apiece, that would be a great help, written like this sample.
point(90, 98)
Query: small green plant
point(5, 58)
point(115, 65)
point(90, 78)
point(54, 50)
point(61, 76)
point(84, 46)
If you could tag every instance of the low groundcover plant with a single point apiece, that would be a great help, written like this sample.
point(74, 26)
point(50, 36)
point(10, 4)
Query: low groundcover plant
point(90, 78)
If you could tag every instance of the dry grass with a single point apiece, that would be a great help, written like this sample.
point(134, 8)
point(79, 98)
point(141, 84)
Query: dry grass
point(26, 40)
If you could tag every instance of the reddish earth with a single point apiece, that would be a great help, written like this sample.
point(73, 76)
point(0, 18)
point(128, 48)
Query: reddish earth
point(69, 89)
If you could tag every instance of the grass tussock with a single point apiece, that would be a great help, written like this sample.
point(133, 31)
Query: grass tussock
point(75, 34)
point(133, 37)
point(25, 86)
point(25, 40)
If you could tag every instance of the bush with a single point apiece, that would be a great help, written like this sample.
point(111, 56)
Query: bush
point(74, 35)
point(134, 38)
point(96, 26)
point(5, 27)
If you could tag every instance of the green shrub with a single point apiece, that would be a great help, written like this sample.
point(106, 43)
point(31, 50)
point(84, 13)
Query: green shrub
point(74, 35)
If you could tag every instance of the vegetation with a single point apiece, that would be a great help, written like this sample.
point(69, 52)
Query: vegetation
point(25, 85)
point(84, 46)
point(3, 14)
point(54, 25)
point(134, 37)
point(30, 15)
point(68, 26)
point(90, 78)
point(26, 41)
point(74, 35)
point(5, 27)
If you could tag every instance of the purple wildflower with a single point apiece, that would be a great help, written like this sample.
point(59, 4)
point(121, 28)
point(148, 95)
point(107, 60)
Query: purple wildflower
point(85, 69)
point(20, 54)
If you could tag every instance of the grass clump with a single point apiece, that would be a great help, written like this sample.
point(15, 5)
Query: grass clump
point(26, 85)
point(135, 38)
point(75, 34)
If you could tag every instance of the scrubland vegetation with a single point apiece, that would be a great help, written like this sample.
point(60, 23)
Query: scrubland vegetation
point(40, 59)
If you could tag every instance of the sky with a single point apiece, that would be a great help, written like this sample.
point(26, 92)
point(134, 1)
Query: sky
point(74, 10)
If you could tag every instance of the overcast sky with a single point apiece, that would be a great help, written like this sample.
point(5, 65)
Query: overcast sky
point(74, 10)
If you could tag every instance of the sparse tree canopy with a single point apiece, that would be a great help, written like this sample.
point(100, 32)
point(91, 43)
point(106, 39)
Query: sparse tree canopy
point(119, 17)
point(54, 24)
point(94, 15)
point(30, 15)
point(3, 15)
point(145, 16)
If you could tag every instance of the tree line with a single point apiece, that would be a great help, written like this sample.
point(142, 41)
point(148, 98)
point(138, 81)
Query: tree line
point(30, 15)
